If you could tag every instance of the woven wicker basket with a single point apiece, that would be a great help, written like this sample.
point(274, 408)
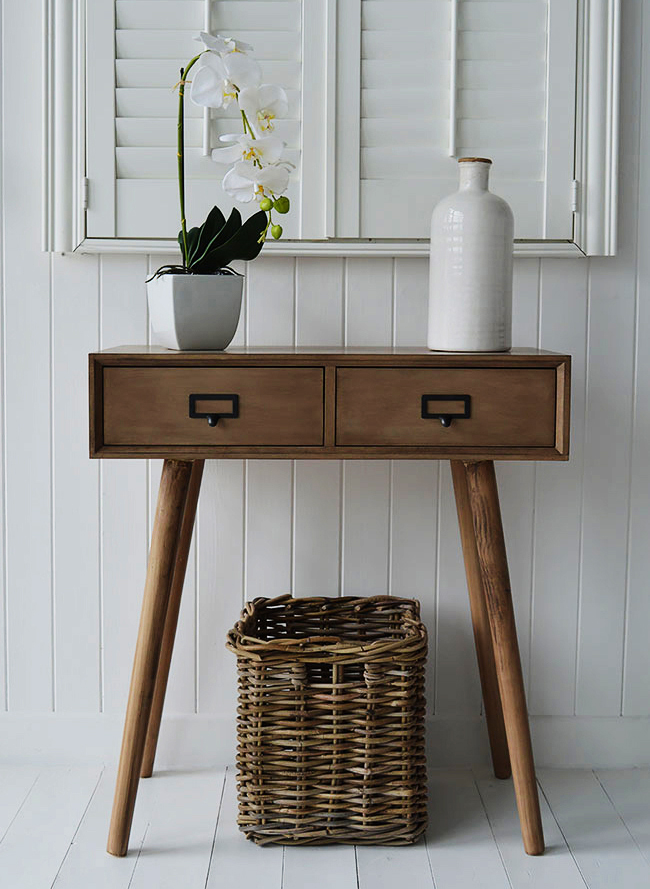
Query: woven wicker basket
point(331, 720)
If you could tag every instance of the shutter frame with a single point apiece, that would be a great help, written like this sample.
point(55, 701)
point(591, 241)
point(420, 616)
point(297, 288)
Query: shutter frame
point(65, 125)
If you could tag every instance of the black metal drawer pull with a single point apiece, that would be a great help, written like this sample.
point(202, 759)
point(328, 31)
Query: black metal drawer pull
point(446, 418)
point(213, 417)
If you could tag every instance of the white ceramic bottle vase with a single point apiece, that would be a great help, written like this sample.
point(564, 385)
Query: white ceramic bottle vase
point(470, 273)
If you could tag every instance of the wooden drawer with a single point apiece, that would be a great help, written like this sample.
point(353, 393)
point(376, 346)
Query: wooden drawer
point(507, 407)
point(151, 406)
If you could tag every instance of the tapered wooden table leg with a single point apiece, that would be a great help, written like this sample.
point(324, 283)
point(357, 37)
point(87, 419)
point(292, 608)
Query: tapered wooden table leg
point(480, 622)
point(490, 546)
point(162, 557)
point(171, 621)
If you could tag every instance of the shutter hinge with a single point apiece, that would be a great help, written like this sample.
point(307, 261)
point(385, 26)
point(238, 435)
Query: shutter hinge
point(575, 196)
point(84, 193)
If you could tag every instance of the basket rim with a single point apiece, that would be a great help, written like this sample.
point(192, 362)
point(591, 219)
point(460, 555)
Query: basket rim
point(254, 648)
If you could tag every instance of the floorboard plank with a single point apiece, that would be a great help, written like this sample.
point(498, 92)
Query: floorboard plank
point(389, 867)
point(40, 835)
point(602, 847)
point(319, 867)
point(237, 861)
point(16, 783)
point(177, 849)
point(459, 839)
point(87, 863)
point(555, 867)
point(629, 791)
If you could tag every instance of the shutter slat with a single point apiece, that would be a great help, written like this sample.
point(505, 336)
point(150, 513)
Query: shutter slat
point(161, 73)
point(151, 44)
point(160, 163)
point(495, 104)
point(398, 104)
point(436, 44)
point(519, 134)
point(504, 17)
point(164, 103)
point(144, 132)
point(413, 162)
point(267, 15)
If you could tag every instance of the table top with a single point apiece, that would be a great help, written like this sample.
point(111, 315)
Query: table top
point(410, 351)
point(325, 356)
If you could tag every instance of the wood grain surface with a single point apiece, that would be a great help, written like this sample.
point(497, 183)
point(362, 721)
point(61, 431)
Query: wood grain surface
point(162, 558)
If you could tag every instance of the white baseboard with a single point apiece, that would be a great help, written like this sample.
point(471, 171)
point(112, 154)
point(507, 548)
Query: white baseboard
point(198, 741)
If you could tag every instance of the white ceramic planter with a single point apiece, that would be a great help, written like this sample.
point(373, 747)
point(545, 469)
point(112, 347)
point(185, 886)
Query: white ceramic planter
point(195, 312)
point(470, 274)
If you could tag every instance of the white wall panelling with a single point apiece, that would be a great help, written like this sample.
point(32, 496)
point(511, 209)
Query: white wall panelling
point(75, 532)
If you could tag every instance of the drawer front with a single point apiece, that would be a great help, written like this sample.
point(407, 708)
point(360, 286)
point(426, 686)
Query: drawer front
point(257, 406)
point(486, 407)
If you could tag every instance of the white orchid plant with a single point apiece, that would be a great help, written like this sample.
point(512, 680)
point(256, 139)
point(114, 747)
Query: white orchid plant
point(226, 73)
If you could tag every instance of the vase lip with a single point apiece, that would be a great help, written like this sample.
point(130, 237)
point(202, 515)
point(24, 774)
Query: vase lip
point(474, 160)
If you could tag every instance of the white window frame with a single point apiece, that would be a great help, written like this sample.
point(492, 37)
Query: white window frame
point(64, 143)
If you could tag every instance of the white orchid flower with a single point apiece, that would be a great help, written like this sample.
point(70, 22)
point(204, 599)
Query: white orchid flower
point(246, 181)
point(217, 43)
point(265, 150)
point(262, 105)
point(219, 78)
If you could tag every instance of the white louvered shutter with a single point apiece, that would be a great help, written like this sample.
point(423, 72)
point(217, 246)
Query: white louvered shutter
point(136, 49)
point(515, 97)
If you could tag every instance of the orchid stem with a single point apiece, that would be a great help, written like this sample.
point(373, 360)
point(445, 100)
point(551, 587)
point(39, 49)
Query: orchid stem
point(181, 151)
point(247, 124)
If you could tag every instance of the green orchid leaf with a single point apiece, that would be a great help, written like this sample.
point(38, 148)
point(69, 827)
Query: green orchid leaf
point(214, 222)
point(243, 245)
point(192, 239)
point(220, 237)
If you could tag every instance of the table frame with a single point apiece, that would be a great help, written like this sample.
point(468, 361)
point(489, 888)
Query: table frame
point(479, 517)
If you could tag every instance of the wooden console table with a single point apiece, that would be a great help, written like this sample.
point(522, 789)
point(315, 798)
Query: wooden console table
point(353, 404)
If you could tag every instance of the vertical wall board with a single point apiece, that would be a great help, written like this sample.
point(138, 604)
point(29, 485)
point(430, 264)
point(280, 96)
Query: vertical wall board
point(268, 528)
point(458, 689)
point(220, 542)
point(411, 301)
point(636, 688)
point(366, 486)
point(75, 330)
point(124, 542)
point(558, 516)
point(27, 380)
point(3, 525)
point(517, 480)
point(317, 521)
point(319, 301)
point(270, 304)
point(413, 546)
point(610, 371)
point(369, 300)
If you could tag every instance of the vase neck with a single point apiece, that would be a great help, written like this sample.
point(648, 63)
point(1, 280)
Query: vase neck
point(474, 175)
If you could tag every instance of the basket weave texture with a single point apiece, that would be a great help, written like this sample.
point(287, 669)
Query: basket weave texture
point(330, 720)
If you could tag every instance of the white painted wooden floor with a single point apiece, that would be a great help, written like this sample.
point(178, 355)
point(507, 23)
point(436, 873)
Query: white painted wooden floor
point(53, 825)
